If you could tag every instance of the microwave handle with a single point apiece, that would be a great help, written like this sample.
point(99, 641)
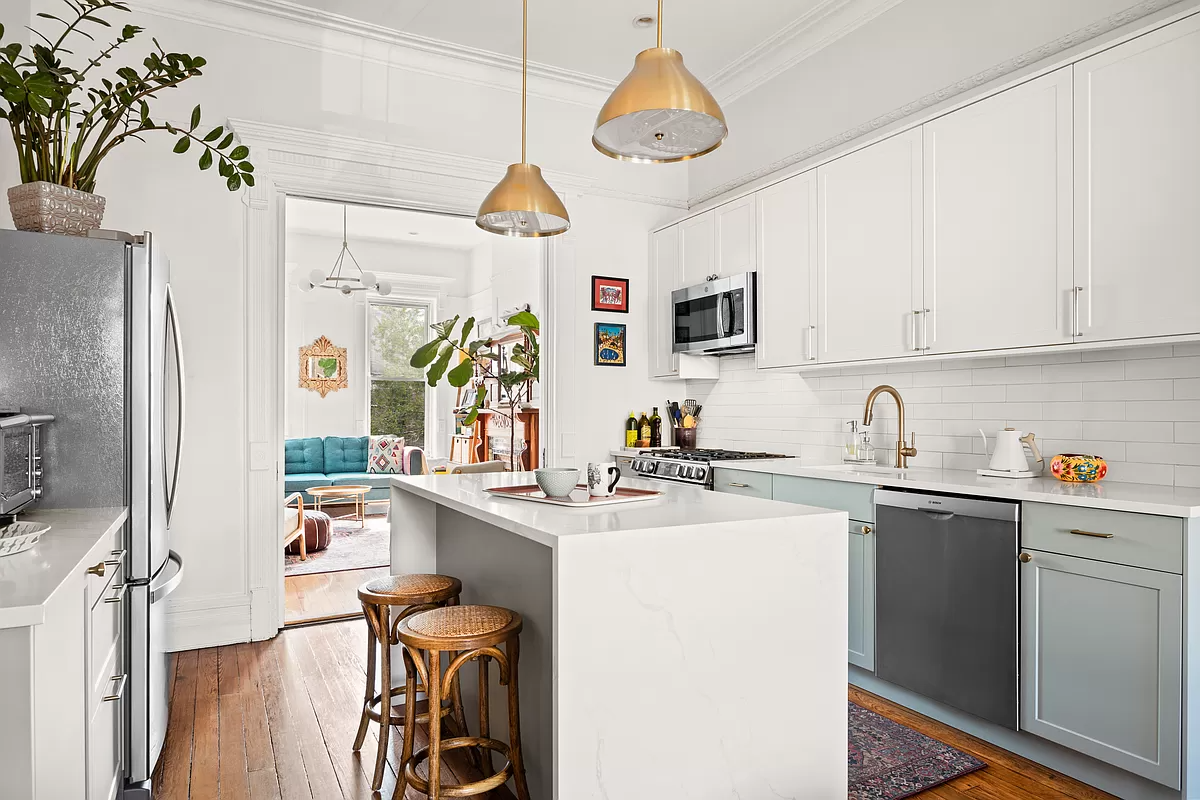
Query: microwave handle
point(721, 316)
point(724, 315)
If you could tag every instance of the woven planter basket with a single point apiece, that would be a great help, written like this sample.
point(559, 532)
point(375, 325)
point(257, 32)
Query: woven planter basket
point(49, 208)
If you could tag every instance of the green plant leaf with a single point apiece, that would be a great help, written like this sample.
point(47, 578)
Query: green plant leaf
point(214, 134)
point(477, 345)
point(525, 319)
point(246, 166)
point(248, 180)
point(423, 356)
point(183, 144)
point(225, 169)
point(38, 104)
point(206, 159)
point(443, 328)
point(471, 416)
point(234, 183)
point(228, 140)
point(195, 118)
point(461, 375)
point(468, 326)
point(438, 368)
point(239, 152)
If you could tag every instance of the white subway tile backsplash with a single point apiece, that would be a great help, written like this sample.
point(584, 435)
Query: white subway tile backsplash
point(1137, 407)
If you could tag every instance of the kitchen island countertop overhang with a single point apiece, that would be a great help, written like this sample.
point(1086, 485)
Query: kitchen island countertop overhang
point(689, 645)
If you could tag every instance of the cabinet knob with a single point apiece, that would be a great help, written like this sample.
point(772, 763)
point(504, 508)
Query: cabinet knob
point(1025, 558)
point(97, 570)
point(866, 529)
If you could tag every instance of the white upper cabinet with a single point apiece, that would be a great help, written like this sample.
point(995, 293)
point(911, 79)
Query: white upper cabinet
point(1137, 169)
point(666, 275)
point(869, 251)
point(998, 237)
point(736, 237)
point(698, 248)
point(787, 272)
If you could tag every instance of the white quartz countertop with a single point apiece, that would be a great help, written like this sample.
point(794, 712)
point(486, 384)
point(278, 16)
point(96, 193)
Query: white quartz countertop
point(28, 580)
point(679, 506)
point(1167, 501)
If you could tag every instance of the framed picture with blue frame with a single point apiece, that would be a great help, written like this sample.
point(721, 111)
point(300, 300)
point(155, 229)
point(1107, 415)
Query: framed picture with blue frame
point(609, 347)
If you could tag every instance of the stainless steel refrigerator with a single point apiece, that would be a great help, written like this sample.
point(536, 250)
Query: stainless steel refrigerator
point(89, 334)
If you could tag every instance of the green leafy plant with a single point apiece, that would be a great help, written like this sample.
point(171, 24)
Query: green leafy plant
point(328, 366)
point(516, 385)
point(65, 119)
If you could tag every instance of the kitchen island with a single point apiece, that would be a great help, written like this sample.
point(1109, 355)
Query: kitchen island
point(692, 645)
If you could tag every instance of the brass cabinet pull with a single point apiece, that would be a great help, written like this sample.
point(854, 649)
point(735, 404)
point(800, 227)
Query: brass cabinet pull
point(1091, 533)
point(739, 485)
point(97, 570)
point(1025, 558)
point(121, 590)
point(115, 696)
point(866, 529)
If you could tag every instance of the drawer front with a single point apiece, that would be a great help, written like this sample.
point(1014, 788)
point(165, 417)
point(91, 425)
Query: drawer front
point(99, 579)
point(104, 738)
point(748, 484)
point(1118, 537)
point(857, 499)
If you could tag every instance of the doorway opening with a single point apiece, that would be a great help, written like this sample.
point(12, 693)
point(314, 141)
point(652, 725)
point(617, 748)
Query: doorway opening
point(357, 412)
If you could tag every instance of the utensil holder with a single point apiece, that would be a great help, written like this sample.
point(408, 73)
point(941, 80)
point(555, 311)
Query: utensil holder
point(685, 438)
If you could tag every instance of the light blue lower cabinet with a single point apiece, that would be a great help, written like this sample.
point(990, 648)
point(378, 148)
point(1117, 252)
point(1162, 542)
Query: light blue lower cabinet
point(1101, 661)
point(862, 595)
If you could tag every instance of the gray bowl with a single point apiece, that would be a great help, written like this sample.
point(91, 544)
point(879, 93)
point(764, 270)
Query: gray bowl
point(557, 481)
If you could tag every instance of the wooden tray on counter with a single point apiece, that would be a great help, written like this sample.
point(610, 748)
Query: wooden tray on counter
point(577, 499)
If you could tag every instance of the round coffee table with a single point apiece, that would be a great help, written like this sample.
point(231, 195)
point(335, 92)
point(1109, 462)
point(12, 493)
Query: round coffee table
point(340, 494)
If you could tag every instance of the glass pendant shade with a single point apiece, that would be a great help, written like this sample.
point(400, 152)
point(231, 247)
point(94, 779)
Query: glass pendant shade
point(660, 113)
point(523, 204)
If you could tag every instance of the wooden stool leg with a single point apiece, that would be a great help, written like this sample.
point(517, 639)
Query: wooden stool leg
point(433, 691)
point(370, 695)
point(513, 649)
point(410, 724)
point(458, 713)
point(485, 728)
point(385, 690)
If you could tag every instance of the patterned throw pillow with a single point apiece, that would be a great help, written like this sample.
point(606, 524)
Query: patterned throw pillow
point(386, 455)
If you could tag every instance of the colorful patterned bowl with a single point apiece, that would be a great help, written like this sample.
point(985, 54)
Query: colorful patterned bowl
point(1078, 468)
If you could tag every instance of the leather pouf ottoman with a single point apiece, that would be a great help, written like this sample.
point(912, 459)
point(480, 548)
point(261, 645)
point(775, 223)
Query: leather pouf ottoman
point(317, 529)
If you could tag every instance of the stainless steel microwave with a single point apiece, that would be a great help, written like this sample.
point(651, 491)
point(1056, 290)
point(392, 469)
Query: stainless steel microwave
point(715, 317)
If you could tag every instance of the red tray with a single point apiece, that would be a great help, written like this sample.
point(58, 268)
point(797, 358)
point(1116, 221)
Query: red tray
point(577, 499)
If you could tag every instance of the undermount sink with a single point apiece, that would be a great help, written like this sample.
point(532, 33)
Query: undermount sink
point(873, 469)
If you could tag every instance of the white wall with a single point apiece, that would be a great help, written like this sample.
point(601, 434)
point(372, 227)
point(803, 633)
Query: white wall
point(321, 86)
point(1137, 407)
point(914, 49)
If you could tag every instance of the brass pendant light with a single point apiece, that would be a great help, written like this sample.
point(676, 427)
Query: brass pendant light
point(522, 203)
point(660, 113)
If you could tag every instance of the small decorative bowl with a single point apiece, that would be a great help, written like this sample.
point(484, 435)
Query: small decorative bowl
point(1078, 468)
point(557, 481)
point(20, 536)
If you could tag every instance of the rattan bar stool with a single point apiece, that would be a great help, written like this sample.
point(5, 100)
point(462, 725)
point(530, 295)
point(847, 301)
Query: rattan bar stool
point(412, 594)
point(474, 633)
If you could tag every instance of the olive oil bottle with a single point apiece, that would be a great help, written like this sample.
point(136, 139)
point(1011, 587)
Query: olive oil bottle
point(643, 430)
point(631, 430)
point(655, 429)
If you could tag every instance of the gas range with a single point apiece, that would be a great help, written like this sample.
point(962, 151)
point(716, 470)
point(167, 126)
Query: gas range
point(693, 467)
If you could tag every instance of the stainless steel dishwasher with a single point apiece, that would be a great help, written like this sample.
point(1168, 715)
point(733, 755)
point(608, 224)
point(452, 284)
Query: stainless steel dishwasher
point(946, 600)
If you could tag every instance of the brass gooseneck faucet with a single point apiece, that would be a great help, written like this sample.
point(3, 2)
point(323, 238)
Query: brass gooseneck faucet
point(903, 451)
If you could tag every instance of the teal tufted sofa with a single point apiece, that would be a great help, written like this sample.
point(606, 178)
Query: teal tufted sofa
point(339, 461)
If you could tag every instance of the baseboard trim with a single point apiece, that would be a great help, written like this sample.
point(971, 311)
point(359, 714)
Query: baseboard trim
point(208, 622)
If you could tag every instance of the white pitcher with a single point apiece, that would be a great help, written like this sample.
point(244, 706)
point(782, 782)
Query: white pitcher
point(1008, 455)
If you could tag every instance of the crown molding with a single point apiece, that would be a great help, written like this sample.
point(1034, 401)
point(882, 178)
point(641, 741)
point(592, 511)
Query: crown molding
point(996, 73)
point(821, 26)
point(290, 23)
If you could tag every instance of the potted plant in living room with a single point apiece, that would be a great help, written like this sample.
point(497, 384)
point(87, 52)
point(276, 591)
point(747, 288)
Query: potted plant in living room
point(515, 385)
point(65, 119)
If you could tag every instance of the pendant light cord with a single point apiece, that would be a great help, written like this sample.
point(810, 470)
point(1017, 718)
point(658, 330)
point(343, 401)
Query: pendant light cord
point(660, 2)
point(525, 70)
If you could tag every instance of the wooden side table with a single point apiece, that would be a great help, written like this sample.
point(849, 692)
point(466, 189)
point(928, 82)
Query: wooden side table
point(340, 494)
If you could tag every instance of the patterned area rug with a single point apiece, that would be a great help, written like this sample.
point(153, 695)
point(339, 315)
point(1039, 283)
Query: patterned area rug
point(888, 761)
point(350, 547)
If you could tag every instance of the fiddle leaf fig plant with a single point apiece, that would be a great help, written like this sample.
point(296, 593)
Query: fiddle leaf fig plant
point(516, 385)
point(66, 119)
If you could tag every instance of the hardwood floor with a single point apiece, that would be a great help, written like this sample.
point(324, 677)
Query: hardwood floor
point(1007, 776)
point(275, 721)
point(325, 594)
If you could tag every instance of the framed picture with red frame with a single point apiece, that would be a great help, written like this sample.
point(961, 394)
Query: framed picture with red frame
point(610, 294)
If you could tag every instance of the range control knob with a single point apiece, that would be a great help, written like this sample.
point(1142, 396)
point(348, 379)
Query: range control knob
point(701, 473)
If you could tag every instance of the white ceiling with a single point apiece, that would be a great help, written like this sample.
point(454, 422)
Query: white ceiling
point(595, 38)
point(321, 218)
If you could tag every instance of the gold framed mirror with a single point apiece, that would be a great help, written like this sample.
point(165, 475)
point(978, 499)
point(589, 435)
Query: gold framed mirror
point(323, 367)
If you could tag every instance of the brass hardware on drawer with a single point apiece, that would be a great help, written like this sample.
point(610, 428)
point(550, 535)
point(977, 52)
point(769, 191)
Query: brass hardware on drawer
point(117, 560)
point(115, 696)
point(97, 570)
point(122, 589)
point(1025, 558)
point(866, 529)
point(1093, 534)
point(739, 485)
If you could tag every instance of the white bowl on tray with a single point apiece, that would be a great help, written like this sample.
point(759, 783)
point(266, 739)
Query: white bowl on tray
point(20, 536)
point(557, 481)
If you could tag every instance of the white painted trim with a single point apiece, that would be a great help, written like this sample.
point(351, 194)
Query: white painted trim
point(208, 622)
point(1050, 56)
point(803, 38)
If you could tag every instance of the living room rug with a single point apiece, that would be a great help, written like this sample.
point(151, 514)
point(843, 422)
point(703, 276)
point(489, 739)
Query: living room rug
point(888, 761)
point(350, 547)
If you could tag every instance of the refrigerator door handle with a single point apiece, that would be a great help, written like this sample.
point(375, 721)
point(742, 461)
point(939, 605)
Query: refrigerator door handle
point(173, 483)
point(169, 579)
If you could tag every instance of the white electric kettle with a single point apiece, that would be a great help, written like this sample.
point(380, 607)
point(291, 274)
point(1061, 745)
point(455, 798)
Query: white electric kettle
point(1008, 456)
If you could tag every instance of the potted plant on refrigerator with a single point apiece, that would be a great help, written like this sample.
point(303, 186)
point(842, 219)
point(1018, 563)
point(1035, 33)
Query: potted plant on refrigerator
point(66, 118)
